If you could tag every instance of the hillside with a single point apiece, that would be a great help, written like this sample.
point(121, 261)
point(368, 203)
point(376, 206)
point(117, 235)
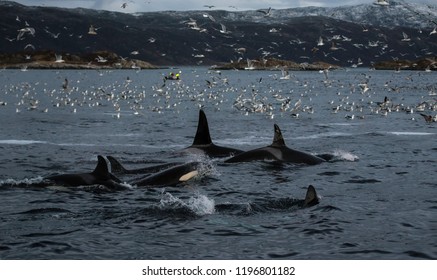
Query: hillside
point(352, 36)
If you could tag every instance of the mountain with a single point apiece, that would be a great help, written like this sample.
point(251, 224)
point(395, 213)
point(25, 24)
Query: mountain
point(351, 35)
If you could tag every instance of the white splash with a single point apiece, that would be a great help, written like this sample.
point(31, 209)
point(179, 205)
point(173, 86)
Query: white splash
point(26, 181)
point(343, 155)
point(200, 204)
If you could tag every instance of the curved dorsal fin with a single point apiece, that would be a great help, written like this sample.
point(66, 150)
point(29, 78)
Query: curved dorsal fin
point(116, 166)
point(202, 135)
point(311, 197)
point(101, 169)
point(278, 140)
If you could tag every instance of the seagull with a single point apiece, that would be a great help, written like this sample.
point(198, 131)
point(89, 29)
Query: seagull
point(320, 42)
point(382, 3)
point(29, 46)
point(205, 15)
point(364, 87)
point(22, 31)
point(266, 12)
point(434, 31)
point(59, 58)
point(101, 59)
point(224, 30)
point(406, 38)
point(92, 30)
point(52, 34)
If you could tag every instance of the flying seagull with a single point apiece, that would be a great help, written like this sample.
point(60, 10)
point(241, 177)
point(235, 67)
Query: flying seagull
point(266, 12)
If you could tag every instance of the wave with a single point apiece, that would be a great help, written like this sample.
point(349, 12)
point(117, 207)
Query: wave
point(40, 182)
point(67, 144)
point(410, 133)
point(324, 135)
point(21, 142)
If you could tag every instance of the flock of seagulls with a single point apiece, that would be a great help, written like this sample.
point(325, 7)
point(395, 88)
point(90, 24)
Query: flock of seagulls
point(287, 94)
point(259, 96)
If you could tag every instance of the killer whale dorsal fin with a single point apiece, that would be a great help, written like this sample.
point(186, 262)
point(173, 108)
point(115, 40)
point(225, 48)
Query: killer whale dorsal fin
point(101, 169)
point(116, 166)
point(311, 197)
point(202, 134)
point(278, 140)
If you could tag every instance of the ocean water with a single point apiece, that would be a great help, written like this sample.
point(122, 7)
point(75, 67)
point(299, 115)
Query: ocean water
point(378, 195)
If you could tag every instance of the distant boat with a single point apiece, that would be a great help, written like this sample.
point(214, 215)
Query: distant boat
point(173, 76)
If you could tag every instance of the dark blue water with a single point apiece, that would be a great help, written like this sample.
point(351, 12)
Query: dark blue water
point(378, 195)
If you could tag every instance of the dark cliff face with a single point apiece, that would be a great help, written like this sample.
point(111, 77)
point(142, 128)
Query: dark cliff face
point(171, 38)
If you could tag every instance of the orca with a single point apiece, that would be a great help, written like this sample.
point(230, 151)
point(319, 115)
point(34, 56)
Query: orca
point(171, 176)
point(202, 142)
point(311, 199)
point(118, 168)
point(277, 152)
point(100, 176)
point(268, 205)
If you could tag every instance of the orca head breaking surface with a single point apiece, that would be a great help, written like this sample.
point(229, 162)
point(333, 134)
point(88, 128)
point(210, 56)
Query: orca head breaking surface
point(171, 176)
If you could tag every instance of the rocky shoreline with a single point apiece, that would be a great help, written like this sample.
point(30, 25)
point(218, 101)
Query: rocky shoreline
point(275, 64)
point(423, 64)
point(52, 60)
point(110, 60)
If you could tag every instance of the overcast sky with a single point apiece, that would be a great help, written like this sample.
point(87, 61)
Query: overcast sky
point(182, 5)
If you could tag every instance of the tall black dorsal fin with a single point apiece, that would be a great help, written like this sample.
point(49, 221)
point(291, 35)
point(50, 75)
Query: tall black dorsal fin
point(278, 140)
point(101, 170)
point(311, 197)
point(202, 135)
point(116, 166)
